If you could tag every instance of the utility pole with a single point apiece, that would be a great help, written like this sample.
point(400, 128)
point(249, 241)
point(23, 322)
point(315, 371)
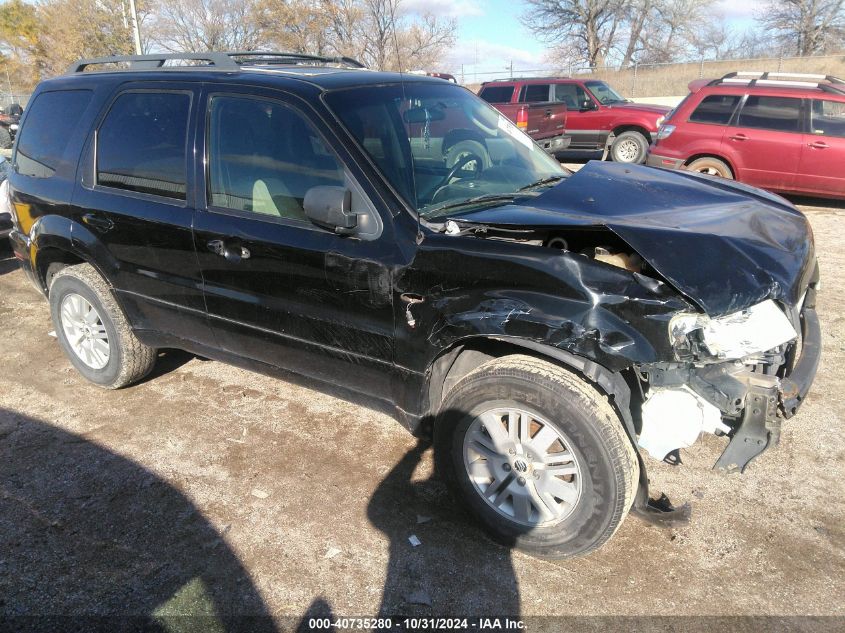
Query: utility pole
point(136, 29)
point(511, 69)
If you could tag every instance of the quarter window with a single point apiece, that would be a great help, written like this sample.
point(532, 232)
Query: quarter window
point(141, 144)
point(771, 113)
point(264, 157)
point(716, 109)
point(535, 93)
point(49, 124)
point(828, 118)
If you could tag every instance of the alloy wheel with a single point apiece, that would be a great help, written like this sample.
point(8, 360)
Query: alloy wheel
point(84, 330)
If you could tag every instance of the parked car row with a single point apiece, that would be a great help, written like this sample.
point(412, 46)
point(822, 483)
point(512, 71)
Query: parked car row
point(779, 131)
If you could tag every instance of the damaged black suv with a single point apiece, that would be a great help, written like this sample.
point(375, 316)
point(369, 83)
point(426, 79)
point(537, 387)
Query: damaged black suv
point(396, 236)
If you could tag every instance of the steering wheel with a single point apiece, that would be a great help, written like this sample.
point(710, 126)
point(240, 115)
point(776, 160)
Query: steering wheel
point(462, 162)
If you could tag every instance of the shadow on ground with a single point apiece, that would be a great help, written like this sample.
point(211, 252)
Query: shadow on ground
point(84, 531)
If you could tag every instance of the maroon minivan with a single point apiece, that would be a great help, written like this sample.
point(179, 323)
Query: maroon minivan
point(779, 131)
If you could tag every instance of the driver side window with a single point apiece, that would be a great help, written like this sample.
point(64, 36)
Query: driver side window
point(570, 94)
point(264, 157)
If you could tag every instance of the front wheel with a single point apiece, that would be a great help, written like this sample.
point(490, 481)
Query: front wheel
point(711, 167)
point(538, 455)
point(629, 147)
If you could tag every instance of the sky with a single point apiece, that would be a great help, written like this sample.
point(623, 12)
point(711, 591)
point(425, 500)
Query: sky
point(490, 35)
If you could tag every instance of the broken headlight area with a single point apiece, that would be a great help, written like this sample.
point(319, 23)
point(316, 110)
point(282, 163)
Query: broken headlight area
point(727, 382)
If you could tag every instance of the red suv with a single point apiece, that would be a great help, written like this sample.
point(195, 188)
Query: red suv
point(778, 131)
point(597, 117)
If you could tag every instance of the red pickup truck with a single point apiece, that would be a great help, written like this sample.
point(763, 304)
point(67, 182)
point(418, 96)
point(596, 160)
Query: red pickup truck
point(542, 119)
point(597, 117)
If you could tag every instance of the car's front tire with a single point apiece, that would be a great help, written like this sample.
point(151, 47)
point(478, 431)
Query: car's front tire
point(93, 331)
point(711, 167)
point(538, 455)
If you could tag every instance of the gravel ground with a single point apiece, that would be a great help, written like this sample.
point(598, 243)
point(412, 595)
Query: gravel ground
point(211, 489)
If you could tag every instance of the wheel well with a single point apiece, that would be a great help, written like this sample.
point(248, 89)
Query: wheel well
point(464, 357)
point(716, 156)
point(632, 128)
point(52, 260)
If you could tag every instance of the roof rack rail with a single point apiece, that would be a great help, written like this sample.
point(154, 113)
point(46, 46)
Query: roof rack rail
point(825, 83)
point(536, 78)
point(218, 61)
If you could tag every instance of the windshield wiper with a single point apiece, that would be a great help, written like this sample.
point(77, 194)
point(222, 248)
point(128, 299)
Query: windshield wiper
point(489, 197)
point(543, 181)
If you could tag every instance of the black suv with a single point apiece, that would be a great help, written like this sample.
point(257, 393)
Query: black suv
point(299, 212)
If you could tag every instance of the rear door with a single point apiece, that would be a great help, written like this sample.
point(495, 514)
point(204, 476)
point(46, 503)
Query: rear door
point(135, 199)
point(278, 288)
point(583, 125)
point(822, 168)
point(765, 142)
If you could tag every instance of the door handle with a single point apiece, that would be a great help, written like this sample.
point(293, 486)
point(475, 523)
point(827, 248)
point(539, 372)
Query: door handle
point(739, 137)
point(549, 113)
point(233, 253)
point(818, 145)
point(98, 223)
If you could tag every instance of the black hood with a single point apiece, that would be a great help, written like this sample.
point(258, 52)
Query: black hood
point(724, 245)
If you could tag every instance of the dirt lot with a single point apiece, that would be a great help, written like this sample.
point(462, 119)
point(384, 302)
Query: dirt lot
point(211, 489)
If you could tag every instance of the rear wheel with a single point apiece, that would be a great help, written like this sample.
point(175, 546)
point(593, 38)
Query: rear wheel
point(539, 456)
point(629, 147)
point(711, 167)
point(93, 331)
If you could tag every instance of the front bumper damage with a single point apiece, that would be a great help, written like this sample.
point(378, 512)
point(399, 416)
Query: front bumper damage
point(731, 398)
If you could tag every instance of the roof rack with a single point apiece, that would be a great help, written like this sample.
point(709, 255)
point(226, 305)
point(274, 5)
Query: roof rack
point(218, 61)
point(825, 83)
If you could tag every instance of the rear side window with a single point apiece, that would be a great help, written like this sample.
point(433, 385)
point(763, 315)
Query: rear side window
point(50, 122)
point(141, 144)
point(771, 113)
point(533, 93)
point(497, 94)
point(828, 118)
point(716, 109)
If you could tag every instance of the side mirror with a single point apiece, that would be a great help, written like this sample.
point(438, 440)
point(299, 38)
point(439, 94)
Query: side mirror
point(588, 104)
point(331, 208)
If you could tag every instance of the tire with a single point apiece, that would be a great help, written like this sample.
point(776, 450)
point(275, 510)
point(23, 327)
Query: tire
point(711, 167)
point(462, 148)
point(5, 138)
point(629, 147)
point(74, 292)
point(603, 467)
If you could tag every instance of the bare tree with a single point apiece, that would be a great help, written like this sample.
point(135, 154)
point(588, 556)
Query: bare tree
point(579, 28)
point(806, 27)
point(206, 25)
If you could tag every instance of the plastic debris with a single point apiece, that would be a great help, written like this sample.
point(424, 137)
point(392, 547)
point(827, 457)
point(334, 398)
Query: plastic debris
point(52, 333)
point(260, 494)
point(413, 540)
point(422, 519)
point(332, 552)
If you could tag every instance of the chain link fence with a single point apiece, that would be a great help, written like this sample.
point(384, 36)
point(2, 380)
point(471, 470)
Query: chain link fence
point(7, 99)
point(662, 80)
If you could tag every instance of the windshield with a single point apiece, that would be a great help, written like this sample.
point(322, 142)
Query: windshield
point(441, 146)
point(604, 93)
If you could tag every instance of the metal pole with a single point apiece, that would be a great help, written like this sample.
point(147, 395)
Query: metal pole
point(701, 69)
point(136, 29)
point(634, 82)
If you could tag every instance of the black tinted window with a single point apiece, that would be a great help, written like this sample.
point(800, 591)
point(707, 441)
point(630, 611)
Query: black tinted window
point(264, 157)
point(534, 93)
point(51, 120)
point(715, 109)
point(141, 144)
point(771, 113)
point(828, 118)
point(497, 94)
